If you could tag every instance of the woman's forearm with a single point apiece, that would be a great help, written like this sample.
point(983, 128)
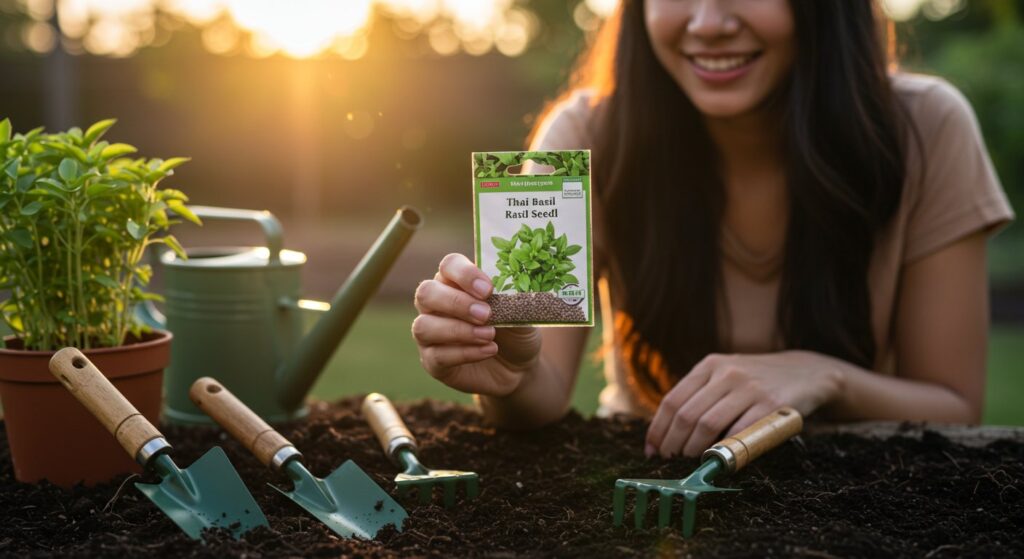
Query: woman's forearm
point(541, 398)
point(868, 395)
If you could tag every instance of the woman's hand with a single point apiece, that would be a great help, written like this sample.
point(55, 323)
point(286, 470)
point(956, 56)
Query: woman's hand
point(731, 392)
point(455, 344)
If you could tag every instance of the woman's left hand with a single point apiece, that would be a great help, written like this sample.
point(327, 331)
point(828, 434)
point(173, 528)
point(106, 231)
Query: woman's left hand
point(731, 392)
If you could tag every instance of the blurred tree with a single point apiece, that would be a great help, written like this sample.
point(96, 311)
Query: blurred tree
point(981, 50)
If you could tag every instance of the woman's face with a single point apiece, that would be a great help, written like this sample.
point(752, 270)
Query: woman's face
point(728, 56)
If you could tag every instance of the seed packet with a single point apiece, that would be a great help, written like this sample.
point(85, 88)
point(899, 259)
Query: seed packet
point(531, 214)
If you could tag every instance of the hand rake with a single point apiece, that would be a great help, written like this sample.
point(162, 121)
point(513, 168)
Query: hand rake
point(726, 456)
point(400, 446)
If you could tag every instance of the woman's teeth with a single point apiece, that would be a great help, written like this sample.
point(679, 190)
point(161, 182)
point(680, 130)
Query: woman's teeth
point(722, 64)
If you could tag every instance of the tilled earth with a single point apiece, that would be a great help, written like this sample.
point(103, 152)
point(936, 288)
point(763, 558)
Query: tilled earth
point(548, 493)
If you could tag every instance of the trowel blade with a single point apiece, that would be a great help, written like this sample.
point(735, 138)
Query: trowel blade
point(207, 494)
point(348, 501)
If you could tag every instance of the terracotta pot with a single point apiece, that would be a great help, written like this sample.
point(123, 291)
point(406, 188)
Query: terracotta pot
point(54, 437)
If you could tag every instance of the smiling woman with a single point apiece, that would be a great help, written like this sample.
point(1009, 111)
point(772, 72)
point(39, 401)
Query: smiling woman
point(776, 216)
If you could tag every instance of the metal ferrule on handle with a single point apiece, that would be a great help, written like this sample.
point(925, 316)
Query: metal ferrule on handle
point(737, 451)
point(392, 434)
point(269, 447)
point(136, 435)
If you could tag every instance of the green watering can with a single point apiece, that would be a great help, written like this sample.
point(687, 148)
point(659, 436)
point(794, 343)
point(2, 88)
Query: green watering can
point(236, 314)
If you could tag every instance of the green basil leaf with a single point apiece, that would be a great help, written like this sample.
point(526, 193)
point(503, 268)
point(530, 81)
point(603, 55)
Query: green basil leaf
point(523, 282)
point(572, 249)
point(106, 281)
point(178, 207)
point(116, 150)
point(172, 242)
point(20, 237)
point(12, 168)
point(135, 230)
point(32, 208)
point(97, 130)
point(172, 163)
point(68, 169)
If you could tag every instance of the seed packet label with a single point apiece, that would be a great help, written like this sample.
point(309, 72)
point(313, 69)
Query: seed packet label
point(531, 213)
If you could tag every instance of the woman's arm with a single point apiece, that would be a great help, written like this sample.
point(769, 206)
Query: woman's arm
point(941, 344)
point(941, 337)
point(545, 391)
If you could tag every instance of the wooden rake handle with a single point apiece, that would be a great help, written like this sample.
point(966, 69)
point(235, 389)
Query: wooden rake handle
point(269, 446)
point(387, 424)
point(769, 432)
point(90, 387)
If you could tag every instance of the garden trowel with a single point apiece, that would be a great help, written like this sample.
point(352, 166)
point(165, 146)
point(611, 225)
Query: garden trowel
point(400, 446)
point(348, 501)
point(207, 494)
point(726, 456)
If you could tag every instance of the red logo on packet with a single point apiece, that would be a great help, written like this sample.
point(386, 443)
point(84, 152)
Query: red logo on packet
point(489, 184)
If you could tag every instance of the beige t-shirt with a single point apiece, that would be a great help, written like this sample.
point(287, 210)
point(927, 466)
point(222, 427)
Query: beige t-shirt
point(958, 195)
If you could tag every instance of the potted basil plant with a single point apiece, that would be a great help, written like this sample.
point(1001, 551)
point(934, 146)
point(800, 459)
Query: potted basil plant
point(76, 216)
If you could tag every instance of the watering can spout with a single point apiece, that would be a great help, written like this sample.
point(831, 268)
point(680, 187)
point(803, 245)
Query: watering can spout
point(299, 371)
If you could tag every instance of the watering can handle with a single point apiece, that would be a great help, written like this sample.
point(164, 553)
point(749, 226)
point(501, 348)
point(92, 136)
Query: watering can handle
point(271, 226)
point(387, 424)
point(269, 446)
point(136, 435)
point(769, 432)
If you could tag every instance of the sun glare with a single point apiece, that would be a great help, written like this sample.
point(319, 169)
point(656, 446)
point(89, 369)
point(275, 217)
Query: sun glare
point(309, 28)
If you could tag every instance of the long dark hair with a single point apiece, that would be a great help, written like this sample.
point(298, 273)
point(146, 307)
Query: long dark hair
point(842, 132)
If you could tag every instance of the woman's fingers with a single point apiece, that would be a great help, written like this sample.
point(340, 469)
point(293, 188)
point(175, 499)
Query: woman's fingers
point(439, 360)
point(751, 416)
point(709, 428)
point(434, 297)
point(670, 404)
point(430, 329)
point(685, 420)
point(458, 269)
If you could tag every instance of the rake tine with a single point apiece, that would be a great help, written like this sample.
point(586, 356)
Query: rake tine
point(664, 508)
point(641, 509)
point(689, 513)
point(618, 502)
point(449, 493)
point(426, 492)
point(472, 488)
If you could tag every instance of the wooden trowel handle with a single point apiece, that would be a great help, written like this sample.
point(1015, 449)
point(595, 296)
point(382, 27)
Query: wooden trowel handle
point(769, 432)
point(90, 387)
point(387, 424)
point(241, 422)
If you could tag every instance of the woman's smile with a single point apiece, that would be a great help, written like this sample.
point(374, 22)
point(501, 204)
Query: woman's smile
point(720, 68)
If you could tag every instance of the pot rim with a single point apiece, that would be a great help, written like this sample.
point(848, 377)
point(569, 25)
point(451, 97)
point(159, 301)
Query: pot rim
point(159, 338)
point(21, 362)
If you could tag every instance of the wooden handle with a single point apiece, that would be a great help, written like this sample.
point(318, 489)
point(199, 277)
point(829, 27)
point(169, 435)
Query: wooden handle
point(387, 424)
point(237, 419)
point(768, 433)
point(88, 385)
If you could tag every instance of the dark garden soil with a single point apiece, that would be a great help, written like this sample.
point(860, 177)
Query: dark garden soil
point(548, 493)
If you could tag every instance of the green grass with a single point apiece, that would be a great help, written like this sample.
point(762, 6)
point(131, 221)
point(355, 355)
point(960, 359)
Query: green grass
point(1005, 387)
point(379, 355)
